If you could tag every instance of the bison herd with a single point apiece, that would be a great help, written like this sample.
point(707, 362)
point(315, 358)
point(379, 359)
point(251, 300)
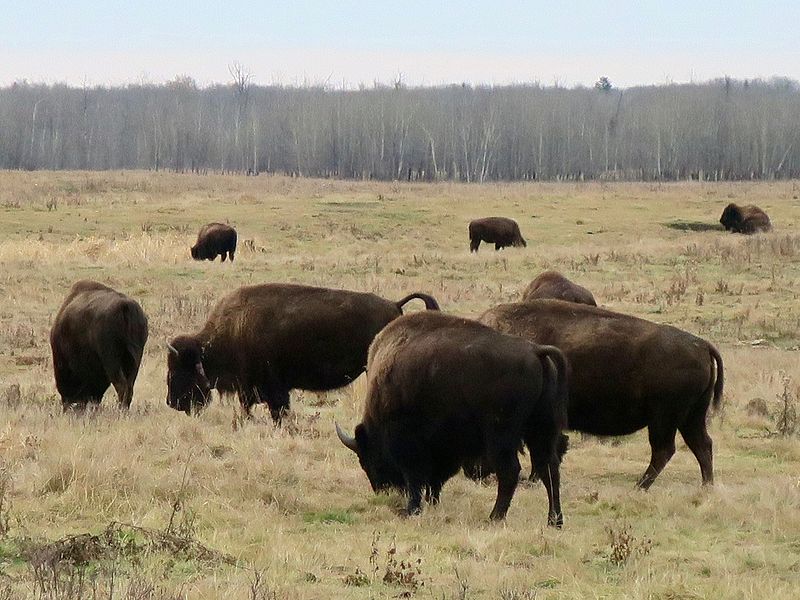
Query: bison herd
point(444, 393)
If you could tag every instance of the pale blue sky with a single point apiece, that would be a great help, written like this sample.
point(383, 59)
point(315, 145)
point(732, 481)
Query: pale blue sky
point(428, 42)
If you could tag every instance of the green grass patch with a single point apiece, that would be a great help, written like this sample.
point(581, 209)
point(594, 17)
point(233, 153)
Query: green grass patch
point(329, 516)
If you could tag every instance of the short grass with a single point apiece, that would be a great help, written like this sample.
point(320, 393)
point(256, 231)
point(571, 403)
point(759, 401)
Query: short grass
point(290, 506)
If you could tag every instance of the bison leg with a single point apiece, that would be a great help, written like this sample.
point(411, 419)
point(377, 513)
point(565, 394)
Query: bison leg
point(497, 247)
point(416, 481)
point(230, 254)
point(696, 436)
point(124, 393)
point(473, 244)
point(432, 492)
point(223, 256)
point(507, 478)
point(278, 402)
point(414, 489)
point(546, 449)
point(277, 399)
point(548, 472)
point(247, 398)
point(662, 446)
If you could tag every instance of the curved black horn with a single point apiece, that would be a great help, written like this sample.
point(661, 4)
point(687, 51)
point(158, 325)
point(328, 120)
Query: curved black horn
point(172, 349)
point(348, 440)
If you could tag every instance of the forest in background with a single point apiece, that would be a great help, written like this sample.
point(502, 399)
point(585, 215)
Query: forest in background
point(720, 130)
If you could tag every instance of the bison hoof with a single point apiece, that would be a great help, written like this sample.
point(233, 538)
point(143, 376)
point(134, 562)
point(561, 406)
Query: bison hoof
point(556, 521)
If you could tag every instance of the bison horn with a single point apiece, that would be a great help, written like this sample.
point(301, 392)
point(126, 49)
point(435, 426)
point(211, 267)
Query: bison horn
point(172, 349)
point(348, 440)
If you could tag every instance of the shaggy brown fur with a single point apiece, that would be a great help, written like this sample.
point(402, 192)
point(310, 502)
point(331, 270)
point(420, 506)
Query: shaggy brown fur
point(627, 374)
point(97, 340)
point(745, 219)
point(262, 341)
point(499, 231)
point(215, 239)
point(442, 390)
point(552, 284)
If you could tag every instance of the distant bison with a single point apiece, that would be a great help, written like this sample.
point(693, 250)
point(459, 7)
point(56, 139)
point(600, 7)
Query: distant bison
point(262, 341)
point(626, 374)
point(215, 239)
point(744, 219)
point(499, 231)
point(442, 390)
point(552, 284)
point(97, 339)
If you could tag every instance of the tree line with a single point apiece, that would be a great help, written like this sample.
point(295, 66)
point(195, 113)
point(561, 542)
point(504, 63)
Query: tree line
point(724, 129)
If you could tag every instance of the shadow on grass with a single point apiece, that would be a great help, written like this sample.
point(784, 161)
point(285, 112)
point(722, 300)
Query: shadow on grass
point(694, 226)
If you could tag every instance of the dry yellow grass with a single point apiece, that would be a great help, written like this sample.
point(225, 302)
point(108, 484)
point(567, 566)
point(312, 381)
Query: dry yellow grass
point(292, 504)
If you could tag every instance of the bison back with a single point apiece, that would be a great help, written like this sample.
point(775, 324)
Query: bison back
point(554, 285)
point(622, 370)
point(299, 336)
point(444, 370)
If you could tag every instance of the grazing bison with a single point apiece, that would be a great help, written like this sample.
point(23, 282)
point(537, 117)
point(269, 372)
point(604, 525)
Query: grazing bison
point(442, 390)
point(262, 341)
point(499, 231)
point(627, 374)
point(97, 339)
point(552, 284)
point(215, 239)
point(744, 219)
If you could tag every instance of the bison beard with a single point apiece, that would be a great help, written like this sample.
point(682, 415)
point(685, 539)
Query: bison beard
point(97, 340)
point(442, 391)
point(262, 341)
point(627, 374)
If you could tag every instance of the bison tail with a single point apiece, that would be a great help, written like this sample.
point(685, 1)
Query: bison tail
point(559, 383)
point(430, 301)
point(720, 379)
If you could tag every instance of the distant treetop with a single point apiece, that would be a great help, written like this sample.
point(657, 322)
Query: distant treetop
point(603, 84)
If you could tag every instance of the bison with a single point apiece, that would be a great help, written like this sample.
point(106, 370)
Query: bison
point(552, 284)
point(499, 231)
point(744, 219)
point(97, 340)
point(626, 374)
point(215, 239)
point(442, 390)
point(262, 341)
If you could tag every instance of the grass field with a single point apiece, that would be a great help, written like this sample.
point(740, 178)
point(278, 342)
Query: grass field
point(258, 512)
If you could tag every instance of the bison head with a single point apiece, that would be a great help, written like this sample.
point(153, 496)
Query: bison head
point(382, 474)
point(187, 385)
point(731, 218)
point(196, 253)
point(520, 241)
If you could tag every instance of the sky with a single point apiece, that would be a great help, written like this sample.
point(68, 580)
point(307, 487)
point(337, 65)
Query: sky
point(347, 43)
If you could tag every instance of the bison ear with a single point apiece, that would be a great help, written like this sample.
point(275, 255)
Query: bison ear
point(348, 440)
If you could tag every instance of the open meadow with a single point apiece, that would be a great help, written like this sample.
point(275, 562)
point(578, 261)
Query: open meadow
point(220, 506)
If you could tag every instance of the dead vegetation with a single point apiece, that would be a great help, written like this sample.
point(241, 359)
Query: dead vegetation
point(156, 505)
